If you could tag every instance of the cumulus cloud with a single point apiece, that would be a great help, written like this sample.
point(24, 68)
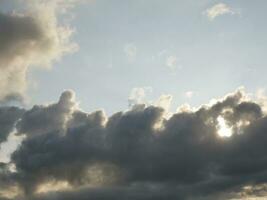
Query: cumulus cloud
point(218, 10)
point(31, 37)
point(70, 154)
point(44, 119)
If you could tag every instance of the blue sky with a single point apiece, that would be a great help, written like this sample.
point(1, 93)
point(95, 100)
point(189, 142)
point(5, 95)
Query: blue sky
point(170, 46)
point(211, 57)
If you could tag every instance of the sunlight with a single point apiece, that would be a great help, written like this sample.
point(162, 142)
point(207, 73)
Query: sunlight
point(10, 192)
point(223, 129)
point(53, 186)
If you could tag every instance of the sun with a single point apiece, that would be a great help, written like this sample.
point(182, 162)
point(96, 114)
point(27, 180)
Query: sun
point(223, 129)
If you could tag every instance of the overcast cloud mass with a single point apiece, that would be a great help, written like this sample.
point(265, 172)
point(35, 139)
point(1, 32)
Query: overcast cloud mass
point(136, 154)
point(58, 151)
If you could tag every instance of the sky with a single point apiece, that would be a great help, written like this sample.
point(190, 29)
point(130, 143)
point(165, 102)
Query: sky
point(171, 47)
point(147, 99)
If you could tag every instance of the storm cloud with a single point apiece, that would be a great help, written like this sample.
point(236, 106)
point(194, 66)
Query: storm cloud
point(136, 154)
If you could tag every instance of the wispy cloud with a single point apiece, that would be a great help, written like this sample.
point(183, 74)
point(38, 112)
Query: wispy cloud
point(173, 62)
point(189, 94)
point(138, 95)
point(130, 50)
point(218, 10)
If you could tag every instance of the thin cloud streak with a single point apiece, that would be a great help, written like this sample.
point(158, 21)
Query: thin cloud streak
point(218, 10)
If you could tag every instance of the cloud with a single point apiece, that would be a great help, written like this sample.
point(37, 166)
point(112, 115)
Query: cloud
point(131, 51)
point(138, 95)
point(218, 10)
point(44, 119)
point(172, 62)
point(70, 154)
point(31, 37)
point(189, 94)
point(164, 101)
point(8, 118)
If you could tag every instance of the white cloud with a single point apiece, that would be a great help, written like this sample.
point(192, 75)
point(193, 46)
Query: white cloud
point(185, 108)
point(172, 62)
point(218, 10)
point(189, 94)
point(261, 98)
point(142, 95)
point(164, 101)
point(130, 50)
point(138, 95)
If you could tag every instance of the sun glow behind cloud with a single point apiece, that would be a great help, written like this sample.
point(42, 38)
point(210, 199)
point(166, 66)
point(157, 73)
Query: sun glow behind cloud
point(223, 129)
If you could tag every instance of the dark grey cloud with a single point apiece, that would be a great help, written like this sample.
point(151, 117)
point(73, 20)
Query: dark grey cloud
point(44, 119)
point(8, 118)
point(12, 99)
point(140, 154)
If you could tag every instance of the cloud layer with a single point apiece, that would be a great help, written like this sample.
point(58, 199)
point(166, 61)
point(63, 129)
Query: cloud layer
point(135, 154)
point(30, 37)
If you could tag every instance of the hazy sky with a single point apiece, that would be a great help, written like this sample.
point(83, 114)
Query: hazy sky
point(133, 99)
